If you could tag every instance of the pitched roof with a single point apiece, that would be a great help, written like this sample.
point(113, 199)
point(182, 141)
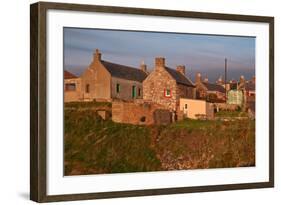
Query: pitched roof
point(180, 78)
point(124, 72)
point(214, 87)
point(68, 75)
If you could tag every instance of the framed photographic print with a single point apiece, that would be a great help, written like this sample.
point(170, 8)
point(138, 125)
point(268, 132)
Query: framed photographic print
point(135, 102)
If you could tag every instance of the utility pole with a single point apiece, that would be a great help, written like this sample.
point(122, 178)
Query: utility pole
point(225, 77)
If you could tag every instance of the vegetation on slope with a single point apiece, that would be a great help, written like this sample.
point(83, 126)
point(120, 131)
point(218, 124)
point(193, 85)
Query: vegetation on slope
point(207, 144)
point(96, 146)
point(93, 145)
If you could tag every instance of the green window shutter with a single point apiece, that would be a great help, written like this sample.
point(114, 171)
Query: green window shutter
point(133, 91)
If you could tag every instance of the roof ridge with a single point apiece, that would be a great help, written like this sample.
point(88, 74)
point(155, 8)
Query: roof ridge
point(124, 71)
point(180, 74)
point(121, 65)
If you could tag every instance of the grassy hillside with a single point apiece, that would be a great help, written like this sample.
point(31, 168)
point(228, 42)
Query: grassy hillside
point(96, 146)
point(192, 144)
point(93, 145)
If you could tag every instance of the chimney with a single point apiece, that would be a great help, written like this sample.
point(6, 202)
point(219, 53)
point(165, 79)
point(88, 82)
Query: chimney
point(242, 79)
point(159, 62)
point(181, 69)
point(219, 81)
point(143, 67)
point(198, 78)
point(97, 55)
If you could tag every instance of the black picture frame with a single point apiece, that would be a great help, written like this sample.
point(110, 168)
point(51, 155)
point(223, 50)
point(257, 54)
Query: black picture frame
point(38, 103)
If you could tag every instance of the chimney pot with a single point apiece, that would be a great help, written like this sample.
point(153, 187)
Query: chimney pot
point(97, 55)
point(242, 79)
point(143, 67)
point(159, 62)
point(198, 78)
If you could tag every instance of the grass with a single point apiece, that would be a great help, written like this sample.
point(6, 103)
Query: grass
point(231, 114)
point(90, 104)
point(207, 144)
point(96, 146)
point(93, 145)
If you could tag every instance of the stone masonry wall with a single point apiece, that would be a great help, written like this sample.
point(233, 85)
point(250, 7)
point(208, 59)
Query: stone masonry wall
point(185, 92)
point(135, 112)
point(154, 87)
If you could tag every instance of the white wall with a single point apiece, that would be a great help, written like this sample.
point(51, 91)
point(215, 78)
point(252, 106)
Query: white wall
point(14, 103)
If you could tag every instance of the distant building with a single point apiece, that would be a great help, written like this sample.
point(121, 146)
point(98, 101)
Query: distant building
point(104, 80)
point(235, 97)
point(249, 87)
point(72, 87)
point(165, 86)
point(205, 89)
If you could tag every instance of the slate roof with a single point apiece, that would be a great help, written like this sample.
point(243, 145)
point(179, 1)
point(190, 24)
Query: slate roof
point(68, 75)
point(180, 78)
point(214, 87)
point(124, 72)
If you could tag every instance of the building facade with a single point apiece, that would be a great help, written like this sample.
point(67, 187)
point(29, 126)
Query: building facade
point(165, 86)
point(105, 81)
point(196, 109)
point(72, 87)
point(209, 91)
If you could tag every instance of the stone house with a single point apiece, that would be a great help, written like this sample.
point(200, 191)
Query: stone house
point(249, 87)
point(105, 81)
point(165, 86)
point(204, 89)
point(72, 87)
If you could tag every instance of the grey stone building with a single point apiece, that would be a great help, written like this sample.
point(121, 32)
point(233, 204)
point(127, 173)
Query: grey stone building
point(165, 86)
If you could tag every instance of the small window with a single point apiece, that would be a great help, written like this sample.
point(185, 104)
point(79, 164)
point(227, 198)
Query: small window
point(167, 93)
point(87, 88)
point(185, 106)
point(139, 92)
point(118, 88)
point(70, 87)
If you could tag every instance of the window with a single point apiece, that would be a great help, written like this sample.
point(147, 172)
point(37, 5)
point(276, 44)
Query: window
point(87, 88)
point(133, 91)
point(70, 87)
point(139, 92)
point(167, 93)
point(118, 88)
point(185, 106)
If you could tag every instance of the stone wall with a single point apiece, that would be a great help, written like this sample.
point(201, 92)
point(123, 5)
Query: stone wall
point(136, 112)
point(185, 92)
point(224, 106)
point(154, 87)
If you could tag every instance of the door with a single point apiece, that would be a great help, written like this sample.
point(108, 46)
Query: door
point(134, 93)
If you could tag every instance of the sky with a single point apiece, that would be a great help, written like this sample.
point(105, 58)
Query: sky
point(199, 53)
